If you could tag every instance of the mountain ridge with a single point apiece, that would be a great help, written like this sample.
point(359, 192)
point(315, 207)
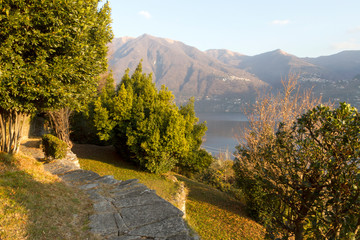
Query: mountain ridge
point(226, 76)
point(185, 70)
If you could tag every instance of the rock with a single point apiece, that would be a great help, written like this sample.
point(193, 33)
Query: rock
point(107, 179)
point(147, 198)
point(103, 224)
point(148, 214)
point(79, 176)
point(123, 210)
point(89, 186)
point(163, 229)
point(103, 206)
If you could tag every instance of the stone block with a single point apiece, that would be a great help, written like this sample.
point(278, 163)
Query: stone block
point(103, 224)
point(143, 215)
point(164, 229)
point(146, 198)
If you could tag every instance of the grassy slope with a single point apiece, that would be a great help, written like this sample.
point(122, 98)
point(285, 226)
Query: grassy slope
point(36, 205)
point(105, 161)
point(213, 214)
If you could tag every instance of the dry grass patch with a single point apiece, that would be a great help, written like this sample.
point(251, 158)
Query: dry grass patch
point(215, 215)
point(35, 205)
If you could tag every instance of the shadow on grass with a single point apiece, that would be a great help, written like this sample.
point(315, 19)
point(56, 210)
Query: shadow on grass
point(203, 193)
point(39, 209)
point(106, 154)
point(104, 160)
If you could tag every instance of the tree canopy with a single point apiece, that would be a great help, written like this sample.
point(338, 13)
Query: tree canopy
point(306, 180)
point(51, 53)
point(147, 127)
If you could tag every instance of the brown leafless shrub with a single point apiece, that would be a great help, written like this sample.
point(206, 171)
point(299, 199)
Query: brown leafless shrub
point(271, 109)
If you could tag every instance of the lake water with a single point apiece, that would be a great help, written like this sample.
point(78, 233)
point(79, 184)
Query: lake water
point(222, 131)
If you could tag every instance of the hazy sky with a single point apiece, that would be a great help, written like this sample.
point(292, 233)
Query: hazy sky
point(305, 28)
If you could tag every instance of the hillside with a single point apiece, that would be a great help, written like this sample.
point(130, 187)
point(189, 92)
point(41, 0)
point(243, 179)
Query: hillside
point(185, 70)
point(272, 66)
point(222, 80)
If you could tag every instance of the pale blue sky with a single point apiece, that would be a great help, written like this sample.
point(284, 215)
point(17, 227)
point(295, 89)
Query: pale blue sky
point(305, 28)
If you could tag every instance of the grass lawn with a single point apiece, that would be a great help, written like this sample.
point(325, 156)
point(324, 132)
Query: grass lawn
point(105, 161)
point(215, 215)
point(36, 205)
point(211, 213)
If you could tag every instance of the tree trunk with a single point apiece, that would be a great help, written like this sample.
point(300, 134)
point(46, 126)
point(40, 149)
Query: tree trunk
point(11, 125)
point(59, 120)
point(299, 230)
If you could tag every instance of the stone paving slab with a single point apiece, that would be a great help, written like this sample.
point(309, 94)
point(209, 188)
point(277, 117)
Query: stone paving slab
point(104, 224)
point(143, 215)
point(167, 227)
point(147, 198)
point(123, 210)
point(79, 176)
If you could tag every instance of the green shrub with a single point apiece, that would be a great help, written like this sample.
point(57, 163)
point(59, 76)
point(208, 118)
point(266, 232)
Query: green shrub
point(53, 147)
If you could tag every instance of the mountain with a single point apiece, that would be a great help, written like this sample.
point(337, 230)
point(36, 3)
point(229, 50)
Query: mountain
point(185, 70)
point(221, 80)
point(343, 65)
point(272, 66)
point(227, 56)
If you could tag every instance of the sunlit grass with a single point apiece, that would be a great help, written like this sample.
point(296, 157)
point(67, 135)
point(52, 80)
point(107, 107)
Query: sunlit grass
point(215, 215)
point(211, 213)
point(105, 161)
point(36, 205)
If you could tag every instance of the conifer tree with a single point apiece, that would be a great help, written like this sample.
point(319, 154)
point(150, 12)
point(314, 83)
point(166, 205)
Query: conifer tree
point(147, 127)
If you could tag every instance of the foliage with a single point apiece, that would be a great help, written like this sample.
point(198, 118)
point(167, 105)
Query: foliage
point(50, 54)
point(310, 173)
point(53, 147)
point(89, 125)
point(147, 127)
point(220, 174)
point(264, 120)
point(195, 160)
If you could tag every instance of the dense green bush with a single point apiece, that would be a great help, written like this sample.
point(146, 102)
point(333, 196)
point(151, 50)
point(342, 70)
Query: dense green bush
point(145, 125)
point(306, 180)
point(195, 162)
point(219, 174)
point(53, 147)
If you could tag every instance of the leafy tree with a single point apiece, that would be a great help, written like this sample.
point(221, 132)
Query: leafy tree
point(50, 55)
point(93, 124)
point(195, 160)
point(154, 134)
point(147, 127)
point(310, 174)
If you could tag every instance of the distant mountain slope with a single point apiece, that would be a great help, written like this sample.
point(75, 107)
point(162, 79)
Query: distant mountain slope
point(222, 80)
point(185, 70)
point(272, 66)
point(227, 56)
point(343, 65)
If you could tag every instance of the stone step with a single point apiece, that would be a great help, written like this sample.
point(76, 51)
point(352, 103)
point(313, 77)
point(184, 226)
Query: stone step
point(123, 210)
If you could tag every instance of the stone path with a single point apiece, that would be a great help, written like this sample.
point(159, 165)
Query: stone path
point(123, 210)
